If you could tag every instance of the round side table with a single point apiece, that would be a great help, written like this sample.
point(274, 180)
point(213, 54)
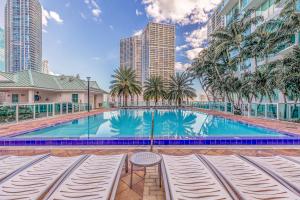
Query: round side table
point(145, 159)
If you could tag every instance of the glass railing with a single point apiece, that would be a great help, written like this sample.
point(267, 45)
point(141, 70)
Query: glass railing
point(22, 112)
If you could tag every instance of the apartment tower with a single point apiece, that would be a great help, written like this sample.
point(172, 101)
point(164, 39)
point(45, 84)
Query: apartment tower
point(2, 55)
point(131, 54)
point(23, 35)
point(158, 46)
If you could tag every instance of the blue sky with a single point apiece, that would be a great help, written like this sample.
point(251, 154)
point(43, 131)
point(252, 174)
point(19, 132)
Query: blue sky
point(82, 36)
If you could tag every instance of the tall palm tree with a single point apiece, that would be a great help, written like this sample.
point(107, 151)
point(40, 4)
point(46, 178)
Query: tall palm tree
point(154, 89)
point(181, 88)
point(124, 84)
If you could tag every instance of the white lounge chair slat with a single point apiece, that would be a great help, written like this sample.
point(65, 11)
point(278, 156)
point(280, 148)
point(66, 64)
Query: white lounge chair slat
point(93, 179)
point(285, 169)
point(250, 182)
point(11, 164)
point(35, 180)
point(189, 178)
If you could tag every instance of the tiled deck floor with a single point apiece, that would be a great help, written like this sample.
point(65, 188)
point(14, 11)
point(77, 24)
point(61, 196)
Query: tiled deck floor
point(147, 187)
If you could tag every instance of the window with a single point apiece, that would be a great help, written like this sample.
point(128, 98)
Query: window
point(74, 98)
point(15, 98)
point(298, 6)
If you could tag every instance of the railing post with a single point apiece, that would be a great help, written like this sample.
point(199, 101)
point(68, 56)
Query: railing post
point(33, 111)
point(266, 110)
point(277, 110)
point(47, 110)
point(17, 113)
point(67, 108)
point(249, 109)
point(72, 107)
point(53, 109)
point(61, 108)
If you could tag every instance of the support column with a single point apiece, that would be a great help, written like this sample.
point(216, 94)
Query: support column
point(30, 96)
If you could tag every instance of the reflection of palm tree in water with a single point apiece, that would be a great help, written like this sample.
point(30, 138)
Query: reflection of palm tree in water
point(126, 123)
point(170, 123)
point(181, 122)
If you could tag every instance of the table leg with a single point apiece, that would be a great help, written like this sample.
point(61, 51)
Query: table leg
point(131, 173)
point(159, 173)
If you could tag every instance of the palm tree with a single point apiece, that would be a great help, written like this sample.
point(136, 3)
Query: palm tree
point(154, 89)
point(124, 84)
point(180, 88)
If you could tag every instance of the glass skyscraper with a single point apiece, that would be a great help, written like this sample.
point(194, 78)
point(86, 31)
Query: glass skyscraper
point(23, 35)
point(2, 64)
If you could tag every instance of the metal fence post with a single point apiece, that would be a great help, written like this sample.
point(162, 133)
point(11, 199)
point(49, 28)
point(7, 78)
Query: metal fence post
point(61, 108)
point(17, 113)
point(47, 110)
point(53, 109)
point(277, 110)
point(33, 111)
point(266, 110)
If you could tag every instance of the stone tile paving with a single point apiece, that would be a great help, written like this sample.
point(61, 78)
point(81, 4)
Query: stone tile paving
point(147, 187)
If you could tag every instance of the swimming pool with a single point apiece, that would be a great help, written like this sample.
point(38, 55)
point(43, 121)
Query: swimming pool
point(170, 127)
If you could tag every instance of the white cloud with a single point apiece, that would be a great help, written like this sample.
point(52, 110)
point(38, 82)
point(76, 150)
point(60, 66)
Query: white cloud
point(138, 32)
point(94, 8)
point(138, 13)
point(67, 5)
point(82, 15)
point(180, 11)
point(193, 53)
point(50, 15)
point(96, 58)
point(96, 12)
point(111, 27)
point(197, 37)
point(181, 66)
point(181, 47)
point(44, 31)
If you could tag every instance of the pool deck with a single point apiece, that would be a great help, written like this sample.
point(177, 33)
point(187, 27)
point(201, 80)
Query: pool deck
point(147, 187)
point(11, 129)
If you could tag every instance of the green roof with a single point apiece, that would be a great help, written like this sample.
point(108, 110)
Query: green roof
point(29, 78)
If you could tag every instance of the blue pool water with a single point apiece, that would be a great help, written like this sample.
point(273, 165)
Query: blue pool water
point(137, 123)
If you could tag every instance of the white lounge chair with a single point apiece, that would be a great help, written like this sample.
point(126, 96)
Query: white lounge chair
point(96, 178)
point(34, 181)
point(10, 165)
point(283, 170)
point(186, 177)
point(249, 181)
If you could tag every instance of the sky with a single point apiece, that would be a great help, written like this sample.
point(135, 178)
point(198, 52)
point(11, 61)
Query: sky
point(82, 36)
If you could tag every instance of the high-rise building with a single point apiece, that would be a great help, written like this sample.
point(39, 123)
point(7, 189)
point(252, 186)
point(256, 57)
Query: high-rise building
point(131, 55)
point(23, 35)
point(152, 53)
point(45, 67)
point(2, 60)
point(215, 22)
point(269, 9)
point(158, 51)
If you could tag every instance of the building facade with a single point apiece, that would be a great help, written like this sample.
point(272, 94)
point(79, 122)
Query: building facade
point(152, 53)
point(269, 10)
point(45, 67)
point(158, 51)
point(215, 22)
point(131, 55)
point(23, 35)
point(2, 54)
point(28, 87)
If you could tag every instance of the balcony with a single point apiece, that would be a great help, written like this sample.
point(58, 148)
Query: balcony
point(227, 5)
